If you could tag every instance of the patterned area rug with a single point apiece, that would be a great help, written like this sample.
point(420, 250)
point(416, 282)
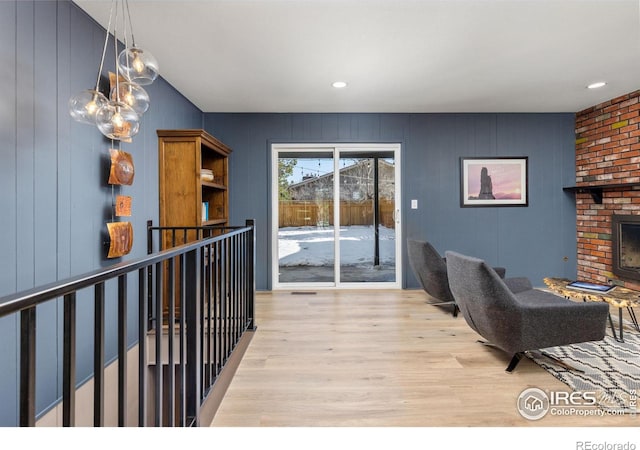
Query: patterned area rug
point(610, 369)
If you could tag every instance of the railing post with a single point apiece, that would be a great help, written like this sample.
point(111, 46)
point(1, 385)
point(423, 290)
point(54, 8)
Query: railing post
point(98, 356)
point(171, 414)
point(150, 272)
point(122, 350)
point(149, 237)
point(217, 313)
point(159, 379)
point(251, 260)
point(192, 311)
point(142, 345)
point(69, 362)
point(28, 367)
point(224, 322)
point(183, 356)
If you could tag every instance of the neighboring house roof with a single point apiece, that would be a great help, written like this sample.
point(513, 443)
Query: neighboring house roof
point(307, 186)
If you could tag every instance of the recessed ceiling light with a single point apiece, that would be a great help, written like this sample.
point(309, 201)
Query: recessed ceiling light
point(597, 85)
point(339, 84)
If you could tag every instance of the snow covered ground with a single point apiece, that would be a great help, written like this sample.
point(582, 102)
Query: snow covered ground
point(313, 246)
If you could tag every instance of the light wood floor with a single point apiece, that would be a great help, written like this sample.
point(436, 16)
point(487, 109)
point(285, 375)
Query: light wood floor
point(378, 359)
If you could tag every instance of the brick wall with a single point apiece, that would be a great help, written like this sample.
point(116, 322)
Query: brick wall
point(607, 153)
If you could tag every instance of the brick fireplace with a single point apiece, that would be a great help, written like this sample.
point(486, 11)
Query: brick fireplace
point(607, 181)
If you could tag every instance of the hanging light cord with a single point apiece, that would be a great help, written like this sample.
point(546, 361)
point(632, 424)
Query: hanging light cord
point(125, 24)
point(133, 39)
point(104, 48)
point(115, 50)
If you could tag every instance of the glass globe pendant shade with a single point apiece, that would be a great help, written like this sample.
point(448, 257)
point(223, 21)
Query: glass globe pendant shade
point(137, 65)
point(117, 120)
point(84, 106)
point(133, 95)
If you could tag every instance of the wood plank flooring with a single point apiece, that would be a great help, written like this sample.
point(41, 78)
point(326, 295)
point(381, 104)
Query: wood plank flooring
point(378, 359)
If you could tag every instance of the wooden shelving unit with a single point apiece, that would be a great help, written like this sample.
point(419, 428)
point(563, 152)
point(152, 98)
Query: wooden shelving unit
point(183, 154)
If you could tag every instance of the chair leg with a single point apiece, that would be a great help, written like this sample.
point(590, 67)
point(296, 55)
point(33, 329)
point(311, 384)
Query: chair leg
point(634, 319)
point(455, 306)
point(514, 362)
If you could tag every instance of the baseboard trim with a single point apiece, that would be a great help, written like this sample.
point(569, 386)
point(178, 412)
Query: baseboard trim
point(211, 404)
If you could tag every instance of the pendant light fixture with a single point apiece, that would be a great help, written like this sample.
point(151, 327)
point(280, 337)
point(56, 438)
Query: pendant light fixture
point(137, 65)
point(84, 106)
point(117, 120)
point(133, 95)
point(118, 117)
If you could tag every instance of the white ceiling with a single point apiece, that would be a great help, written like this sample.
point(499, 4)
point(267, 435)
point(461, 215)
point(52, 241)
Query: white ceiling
point(396, 55)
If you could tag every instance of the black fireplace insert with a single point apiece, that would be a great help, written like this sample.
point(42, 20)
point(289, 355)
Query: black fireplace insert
point(625, 242)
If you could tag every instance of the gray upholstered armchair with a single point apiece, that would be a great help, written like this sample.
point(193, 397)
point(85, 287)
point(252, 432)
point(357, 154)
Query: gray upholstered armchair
point(430, 269)
point(529, 320)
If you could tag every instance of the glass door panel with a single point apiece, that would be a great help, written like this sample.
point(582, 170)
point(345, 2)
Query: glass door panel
point(367, 217)
point(305, 217)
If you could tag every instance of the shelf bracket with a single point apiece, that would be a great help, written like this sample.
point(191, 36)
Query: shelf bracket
point(594, 191)
point(596, 195)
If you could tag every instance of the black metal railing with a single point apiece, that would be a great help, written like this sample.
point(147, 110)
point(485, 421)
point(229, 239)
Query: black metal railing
point(198, 296)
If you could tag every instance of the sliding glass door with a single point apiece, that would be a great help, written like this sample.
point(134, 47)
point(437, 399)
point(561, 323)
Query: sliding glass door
point(336, 219)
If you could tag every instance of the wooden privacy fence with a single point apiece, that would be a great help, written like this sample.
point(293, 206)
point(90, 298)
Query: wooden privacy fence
point(299, 213)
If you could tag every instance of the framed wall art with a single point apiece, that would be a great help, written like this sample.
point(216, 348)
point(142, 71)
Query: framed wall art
point(493, 181)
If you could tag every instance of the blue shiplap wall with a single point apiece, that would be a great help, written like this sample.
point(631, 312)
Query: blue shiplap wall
point(55, 198)
point(531, 241)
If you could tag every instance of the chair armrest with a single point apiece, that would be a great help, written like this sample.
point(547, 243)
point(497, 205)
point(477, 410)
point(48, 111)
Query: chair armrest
point(518, 284)
point(550, 323)
point(501, 271)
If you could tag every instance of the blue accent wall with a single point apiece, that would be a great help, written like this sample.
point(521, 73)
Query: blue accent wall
point(534, 241)
point(55, 199)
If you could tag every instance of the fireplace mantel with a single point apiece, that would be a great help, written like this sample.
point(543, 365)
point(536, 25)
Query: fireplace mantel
point(596, 189)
